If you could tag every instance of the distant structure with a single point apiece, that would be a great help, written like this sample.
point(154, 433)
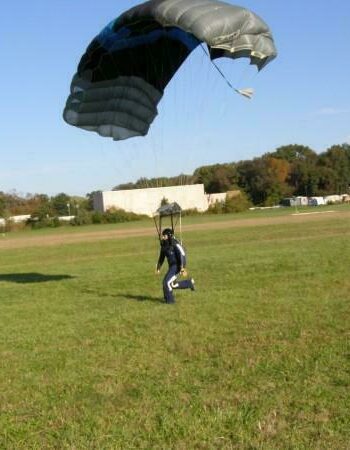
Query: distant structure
point(214, 198)
point(19, 219)
point(147, 201)
point(221, 197)
point(315, 201)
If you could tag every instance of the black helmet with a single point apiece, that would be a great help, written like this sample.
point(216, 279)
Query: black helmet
point(168, 232)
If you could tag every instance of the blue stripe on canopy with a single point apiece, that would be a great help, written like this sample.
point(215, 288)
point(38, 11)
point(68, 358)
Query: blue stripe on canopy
point(113, 41)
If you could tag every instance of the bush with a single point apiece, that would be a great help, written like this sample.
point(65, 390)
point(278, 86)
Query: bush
point(82, 218)
point(237, 204)
point(115, 215)
point(44, 222)
point(13, 226)
point(97, 217)
point(191, 212)
point(217, 208)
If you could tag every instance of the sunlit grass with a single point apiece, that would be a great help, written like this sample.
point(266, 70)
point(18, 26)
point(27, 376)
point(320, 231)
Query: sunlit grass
point(256, 358)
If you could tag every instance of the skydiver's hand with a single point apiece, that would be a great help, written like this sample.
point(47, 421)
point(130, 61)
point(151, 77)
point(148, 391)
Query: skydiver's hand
point(157, 272)
point(183, 272)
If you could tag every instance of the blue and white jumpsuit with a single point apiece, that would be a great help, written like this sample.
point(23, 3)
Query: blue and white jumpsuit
point(173, 251)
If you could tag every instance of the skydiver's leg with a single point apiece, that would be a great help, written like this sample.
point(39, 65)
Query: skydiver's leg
point(184, 284)
point(168, 280)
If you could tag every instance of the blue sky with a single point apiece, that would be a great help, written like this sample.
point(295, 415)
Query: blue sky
point(301, 97)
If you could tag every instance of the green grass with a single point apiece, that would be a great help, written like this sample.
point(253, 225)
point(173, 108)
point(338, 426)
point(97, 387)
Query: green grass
point(257, 358)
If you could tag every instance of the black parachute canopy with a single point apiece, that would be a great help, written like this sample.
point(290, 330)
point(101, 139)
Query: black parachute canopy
point(125, 69)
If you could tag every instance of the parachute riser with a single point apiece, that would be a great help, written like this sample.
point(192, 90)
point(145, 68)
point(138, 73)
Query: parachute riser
point(158, 228)
point(247, 92)
point(173, 213)
point(173, 221)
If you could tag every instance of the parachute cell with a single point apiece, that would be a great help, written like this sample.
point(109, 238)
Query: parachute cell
point(124, 71)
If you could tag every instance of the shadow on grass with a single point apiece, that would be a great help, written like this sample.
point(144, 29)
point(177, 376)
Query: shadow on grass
point(138, 298)
point(32, 277)
point(142, 298)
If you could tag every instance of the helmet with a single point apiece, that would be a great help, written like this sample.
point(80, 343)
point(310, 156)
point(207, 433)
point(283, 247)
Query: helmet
point(168, 232)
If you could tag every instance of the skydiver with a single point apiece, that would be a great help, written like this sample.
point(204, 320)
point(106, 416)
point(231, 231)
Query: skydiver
point(173, 251)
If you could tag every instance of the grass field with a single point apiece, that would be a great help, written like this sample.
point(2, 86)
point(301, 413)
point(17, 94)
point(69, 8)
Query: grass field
point(257, 358)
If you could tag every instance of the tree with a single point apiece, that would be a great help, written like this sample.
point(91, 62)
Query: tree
point(326, 180)
point(2, 204)
point(293, 152)
point(335, 163)
point(252, 180)
point(216, 178)
point(60, 204)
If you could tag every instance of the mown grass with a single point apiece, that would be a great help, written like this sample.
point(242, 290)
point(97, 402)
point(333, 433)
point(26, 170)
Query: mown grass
point(257, 358)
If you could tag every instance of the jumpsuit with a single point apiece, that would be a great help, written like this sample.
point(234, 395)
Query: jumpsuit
point(174, 253)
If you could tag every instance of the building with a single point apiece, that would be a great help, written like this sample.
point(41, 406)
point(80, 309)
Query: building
point(316, 201)
point(301, 201)
point(289, 201)
point(214, 198)
point(221, 197)
point(147, 201)
point(331, 199)
point(19, 219)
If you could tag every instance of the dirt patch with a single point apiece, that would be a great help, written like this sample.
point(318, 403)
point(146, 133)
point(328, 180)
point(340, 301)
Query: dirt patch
point(44, 241)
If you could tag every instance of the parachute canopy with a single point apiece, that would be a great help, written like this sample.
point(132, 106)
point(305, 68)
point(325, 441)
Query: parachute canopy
point(124, 71)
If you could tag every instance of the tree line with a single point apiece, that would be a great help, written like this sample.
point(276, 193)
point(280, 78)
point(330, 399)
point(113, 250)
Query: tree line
point(42, 205)
point(288, 171)
point(45, 211)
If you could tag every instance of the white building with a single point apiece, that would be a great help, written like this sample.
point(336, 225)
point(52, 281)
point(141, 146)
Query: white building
point(147, 201)
point(331, 199)
point(19, 219)
point(213, 198)
point(65, 218)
